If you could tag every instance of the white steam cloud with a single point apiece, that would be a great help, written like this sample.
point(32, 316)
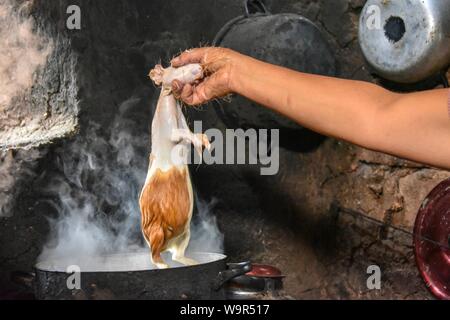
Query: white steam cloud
point(22, 52)
point(97, 195)
point(205, 234)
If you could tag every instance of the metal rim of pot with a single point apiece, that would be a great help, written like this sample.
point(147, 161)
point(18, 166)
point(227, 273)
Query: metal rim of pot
point(260, 10)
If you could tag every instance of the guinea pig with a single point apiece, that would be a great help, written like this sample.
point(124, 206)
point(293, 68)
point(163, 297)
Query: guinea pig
point(166, 200)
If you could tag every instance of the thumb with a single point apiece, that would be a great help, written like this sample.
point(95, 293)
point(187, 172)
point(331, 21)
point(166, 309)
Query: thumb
point(201, 93)
point(177, 88)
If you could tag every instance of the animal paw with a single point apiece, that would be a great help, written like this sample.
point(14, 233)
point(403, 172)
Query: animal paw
point(205, 141)
point(161, 265)
point(185, 260)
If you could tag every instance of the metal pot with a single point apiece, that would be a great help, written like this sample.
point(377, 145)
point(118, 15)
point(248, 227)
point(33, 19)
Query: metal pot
point(432, 240)
point(131, 276)
point(262, 282)
point(406, 41)
point(286, 39)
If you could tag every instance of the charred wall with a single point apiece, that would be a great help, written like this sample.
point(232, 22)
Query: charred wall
point(297, 220)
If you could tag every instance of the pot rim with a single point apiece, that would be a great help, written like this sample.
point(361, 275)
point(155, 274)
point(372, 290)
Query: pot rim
point(60, 265)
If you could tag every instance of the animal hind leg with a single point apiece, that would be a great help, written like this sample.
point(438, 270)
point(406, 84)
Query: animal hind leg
point(179, 248)
point(156, 241)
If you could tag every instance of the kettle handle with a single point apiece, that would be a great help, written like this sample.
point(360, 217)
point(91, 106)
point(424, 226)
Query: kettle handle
point(234, 270)
point(254, 6)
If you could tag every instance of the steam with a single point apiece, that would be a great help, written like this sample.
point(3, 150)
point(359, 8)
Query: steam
point(22, 51)
point(97, 194)
point(205, 234)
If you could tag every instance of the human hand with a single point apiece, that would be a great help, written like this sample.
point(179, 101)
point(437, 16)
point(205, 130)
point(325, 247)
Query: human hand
point(218, 67)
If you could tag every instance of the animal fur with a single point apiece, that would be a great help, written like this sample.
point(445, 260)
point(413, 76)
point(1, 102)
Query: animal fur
point(166, 200)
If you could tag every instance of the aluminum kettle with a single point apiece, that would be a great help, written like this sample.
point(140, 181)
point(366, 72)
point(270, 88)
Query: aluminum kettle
point(406, 41)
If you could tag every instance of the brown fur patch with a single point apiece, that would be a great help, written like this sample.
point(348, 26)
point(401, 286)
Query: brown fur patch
point(165, 206)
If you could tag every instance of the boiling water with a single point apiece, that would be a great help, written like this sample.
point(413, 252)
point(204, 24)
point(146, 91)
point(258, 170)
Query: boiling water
point(121, 262)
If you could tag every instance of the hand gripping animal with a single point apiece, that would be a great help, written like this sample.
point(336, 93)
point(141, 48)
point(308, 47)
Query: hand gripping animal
point(166, 200)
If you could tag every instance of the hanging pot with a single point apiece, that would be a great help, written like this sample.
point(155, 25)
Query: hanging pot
point(406, 41)
point(286, 39)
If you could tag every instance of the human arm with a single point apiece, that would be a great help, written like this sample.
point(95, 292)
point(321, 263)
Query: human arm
point(415, 126)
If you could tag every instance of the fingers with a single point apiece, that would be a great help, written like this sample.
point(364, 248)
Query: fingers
point(202, 93)
point(216, 83)
point(196, 55)
point(211, 87)
point(192, 95)
point(177, 87)
point(186, 94)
